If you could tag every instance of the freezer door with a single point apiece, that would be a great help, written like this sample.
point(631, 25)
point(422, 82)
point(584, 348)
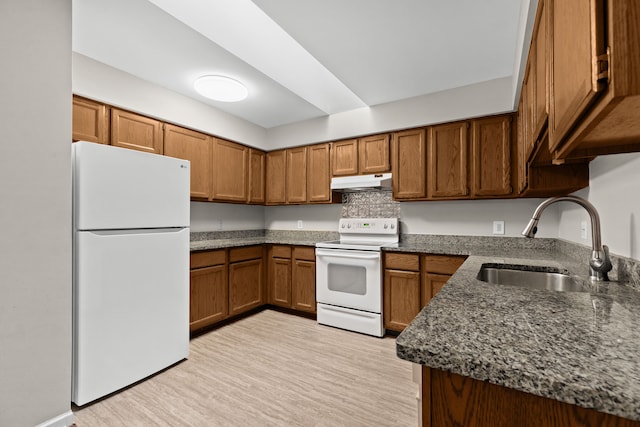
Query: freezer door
point(130, 308)
point(117, 188)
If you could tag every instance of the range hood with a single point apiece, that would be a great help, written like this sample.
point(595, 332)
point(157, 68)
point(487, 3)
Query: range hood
point(380, 181)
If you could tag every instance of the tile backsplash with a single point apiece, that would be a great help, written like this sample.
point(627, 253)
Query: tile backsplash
point(370, 204)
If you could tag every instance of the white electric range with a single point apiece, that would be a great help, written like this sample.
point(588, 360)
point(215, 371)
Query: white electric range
point(349, 274)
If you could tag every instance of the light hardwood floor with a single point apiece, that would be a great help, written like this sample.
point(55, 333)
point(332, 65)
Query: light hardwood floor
point(270, 369)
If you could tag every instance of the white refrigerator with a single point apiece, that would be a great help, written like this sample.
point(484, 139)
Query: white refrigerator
point(130, 267)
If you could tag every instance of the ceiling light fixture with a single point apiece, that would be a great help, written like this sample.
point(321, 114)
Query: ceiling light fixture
point(220, 88)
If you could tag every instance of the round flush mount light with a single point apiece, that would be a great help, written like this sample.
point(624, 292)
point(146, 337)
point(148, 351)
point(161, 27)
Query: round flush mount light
point(220, 88)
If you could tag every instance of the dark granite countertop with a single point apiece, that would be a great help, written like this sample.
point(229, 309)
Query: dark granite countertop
point(220, 240)
point(579, 348)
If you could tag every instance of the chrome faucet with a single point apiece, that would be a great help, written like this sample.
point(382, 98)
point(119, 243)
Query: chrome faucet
point(599, 263)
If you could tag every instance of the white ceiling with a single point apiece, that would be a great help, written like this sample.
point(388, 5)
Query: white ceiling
point(302, 59)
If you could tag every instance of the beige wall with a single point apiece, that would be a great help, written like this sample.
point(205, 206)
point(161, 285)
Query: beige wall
point(35, 213)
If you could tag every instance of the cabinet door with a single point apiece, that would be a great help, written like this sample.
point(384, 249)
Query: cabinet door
point(304, 285)
point(432, 283)
point(245, 286)
point(408, 163)
point(195, 147)
point(256, 176)
point(401, 298)
point(230, 171)
point(209, 302)
point(576, 41)
point(491, 153)
point(521, 156)
point(319, 174)
point(276, 177)
point(447, 160)
point(90, 121)
point(280, 282)
point(296, 175)
point(344, 158)
point(540, 41)
point(373, 154)
point(136, 132)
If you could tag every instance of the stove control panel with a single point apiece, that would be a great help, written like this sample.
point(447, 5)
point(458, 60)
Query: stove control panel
point(368, 226)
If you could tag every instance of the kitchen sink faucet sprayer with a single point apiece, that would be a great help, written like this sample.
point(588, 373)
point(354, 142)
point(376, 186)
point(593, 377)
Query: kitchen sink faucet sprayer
point(599, 263)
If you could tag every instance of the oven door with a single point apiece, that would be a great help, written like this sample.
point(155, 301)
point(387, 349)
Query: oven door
point(349, 278)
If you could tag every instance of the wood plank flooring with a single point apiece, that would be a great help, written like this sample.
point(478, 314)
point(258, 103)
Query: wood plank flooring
point(270, 369)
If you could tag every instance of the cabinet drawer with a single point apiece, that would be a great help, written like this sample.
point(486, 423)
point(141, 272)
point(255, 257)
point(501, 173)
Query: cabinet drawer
point(208, 258)
point(442, 264)
point(279, 251)
point(304, 252)
point(402, 261)
point(245, 253)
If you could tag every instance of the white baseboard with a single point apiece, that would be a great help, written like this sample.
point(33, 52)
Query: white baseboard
point(63, 420)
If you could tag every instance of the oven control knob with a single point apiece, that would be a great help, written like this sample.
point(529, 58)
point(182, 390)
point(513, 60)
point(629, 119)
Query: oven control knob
point(348, 225)
point(342, 225)
point(393, 226)
point(386, 226)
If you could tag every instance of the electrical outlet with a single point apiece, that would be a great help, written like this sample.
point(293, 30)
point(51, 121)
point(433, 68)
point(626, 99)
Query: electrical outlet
point(299, 223)
point(583, 230)
point(498, 227)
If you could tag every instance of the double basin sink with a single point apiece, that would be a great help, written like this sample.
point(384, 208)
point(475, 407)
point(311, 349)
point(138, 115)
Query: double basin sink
point(531, 277)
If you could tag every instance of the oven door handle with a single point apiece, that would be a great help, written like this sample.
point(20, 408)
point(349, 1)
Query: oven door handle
point(347, 254)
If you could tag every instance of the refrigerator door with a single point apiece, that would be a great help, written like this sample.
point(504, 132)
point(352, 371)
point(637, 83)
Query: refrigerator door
point(131, 307)
point(117, 188)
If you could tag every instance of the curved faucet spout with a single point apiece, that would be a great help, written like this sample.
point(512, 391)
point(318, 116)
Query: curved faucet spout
point(599, 263)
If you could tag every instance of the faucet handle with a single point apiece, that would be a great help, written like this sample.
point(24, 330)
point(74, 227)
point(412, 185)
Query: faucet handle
point(600, 264)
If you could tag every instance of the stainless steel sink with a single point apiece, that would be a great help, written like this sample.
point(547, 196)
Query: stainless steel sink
point(532, 277)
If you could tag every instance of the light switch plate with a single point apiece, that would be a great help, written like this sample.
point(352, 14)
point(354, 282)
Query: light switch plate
point(299, 223)
point(498, 227)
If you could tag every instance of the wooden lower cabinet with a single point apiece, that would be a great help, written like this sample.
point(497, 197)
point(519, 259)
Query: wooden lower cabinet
point(410, 281)
point(303, 275)
point(208, 302)
point(292, 277)
point(245, 279)
point(436, 272)
point(453, 400)
point(280, 276)
point(401, 298)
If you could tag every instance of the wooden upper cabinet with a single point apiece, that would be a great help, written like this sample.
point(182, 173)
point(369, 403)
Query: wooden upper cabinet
point(447, 160)
point(230, 171)
point(296, 172)
point(90, 121)
point(577, 34)
point(540, 39)
point(408, 163)
point(491, 153)
point(195, 147)
point(344, 158)
point(136, 132)
point(595, 78)
point(256, 176)
point(373, 154)
point(319, 173)
point(521, 179)
point(276, 177)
